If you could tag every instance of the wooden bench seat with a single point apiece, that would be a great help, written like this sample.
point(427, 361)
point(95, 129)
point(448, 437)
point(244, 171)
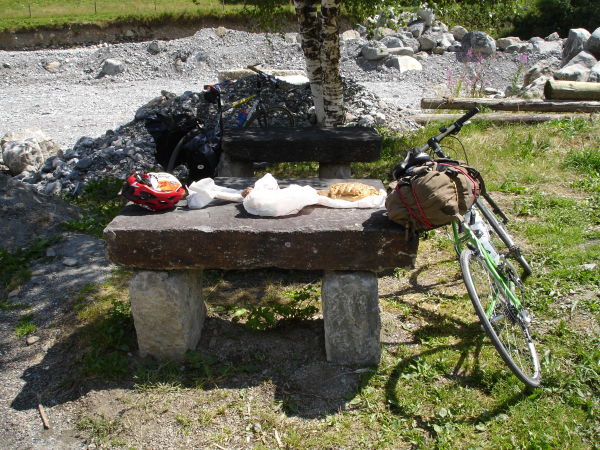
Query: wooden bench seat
point(333, 148)
point(169, 250)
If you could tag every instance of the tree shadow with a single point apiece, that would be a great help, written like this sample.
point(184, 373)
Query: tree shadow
point(228, 356)
point(470, 344)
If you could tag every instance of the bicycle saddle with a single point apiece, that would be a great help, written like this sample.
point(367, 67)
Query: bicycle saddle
point(413, 158)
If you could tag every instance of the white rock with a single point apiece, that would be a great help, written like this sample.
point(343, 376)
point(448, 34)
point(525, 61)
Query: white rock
point(404, 63)
point(575, 43)
point(22, 156)
point(374, 53)
point(401, 51)
point(458, 32)
point(504, 43)
point(595, 73)
point(593, 43)
point(349, 35)
point(574, 72)
point(112, 67)
point(584, 58)
point(70, 262)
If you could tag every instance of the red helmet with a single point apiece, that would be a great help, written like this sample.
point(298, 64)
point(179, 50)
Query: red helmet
point(155, 191)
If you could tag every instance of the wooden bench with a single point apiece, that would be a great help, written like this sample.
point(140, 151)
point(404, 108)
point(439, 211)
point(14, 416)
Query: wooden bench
point(333, 148)
point(170, 250)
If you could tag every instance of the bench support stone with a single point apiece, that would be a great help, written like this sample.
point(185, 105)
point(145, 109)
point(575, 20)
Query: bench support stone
point(331, 170)
point(351, 315)
point(168, 311)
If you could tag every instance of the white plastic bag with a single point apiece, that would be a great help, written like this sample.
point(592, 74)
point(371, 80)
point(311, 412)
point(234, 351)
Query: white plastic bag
point(266, 199)
point(204, 191)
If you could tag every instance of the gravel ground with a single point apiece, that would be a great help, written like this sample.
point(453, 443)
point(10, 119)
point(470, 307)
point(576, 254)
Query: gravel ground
point(64, 93)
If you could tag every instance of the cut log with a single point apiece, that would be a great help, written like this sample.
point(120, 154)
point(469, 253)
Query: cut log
point(511, 104)
point(423, 119)
point(571, 90)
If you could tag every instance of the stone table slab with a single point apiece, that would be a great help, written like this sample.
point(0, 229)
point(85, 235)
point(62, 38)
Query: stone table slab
point(224, 236)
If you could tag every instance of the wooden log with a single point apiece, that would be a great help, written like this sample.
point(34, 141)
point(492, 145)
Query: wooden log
point(423, 119)
point(511, 104)
point(571, 90)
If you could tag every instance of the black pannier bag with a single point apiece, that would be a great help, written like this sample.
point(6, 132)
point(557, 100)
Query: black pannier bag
point(179, 141)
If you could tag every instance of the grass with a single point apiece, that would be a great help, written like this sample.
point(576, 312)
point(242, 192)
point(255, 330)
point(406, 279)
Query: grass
point(99, 204)
point(440, 383)
point(40, 14)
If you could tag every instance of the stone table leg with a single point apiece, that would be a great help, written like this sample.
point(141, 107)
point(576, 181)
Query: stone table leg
point(331, 170)
point(232, 168)
point(351, 316)
point(168, 311)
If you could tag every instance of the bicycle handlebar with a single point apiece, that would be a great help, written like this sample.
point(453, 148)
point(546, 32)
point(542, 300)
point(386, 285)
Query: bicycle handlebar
point(418, 155)
point(433, 142)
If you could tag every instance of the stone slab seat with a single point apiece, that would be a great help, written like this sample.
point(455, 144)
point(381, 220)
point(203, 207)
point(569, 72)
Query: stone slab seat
point(333, 148)
point(170, 250)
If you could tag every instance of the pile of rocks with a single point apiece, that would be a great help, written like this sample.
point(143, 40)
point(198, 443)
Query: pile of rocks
point(35, 159)
point(402, 47)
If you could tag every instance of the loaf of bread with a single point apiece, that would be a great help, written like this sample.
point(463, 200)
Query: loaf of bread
point(350, 191)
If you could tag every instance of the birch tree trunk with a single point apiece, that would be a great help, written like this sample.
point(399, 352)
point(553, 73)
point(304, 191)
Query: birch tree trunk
point(321, 47)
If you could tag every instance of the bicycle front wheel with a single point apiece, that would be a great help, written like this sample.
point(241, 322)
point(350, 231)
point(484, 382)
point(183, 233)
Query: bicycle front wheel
point(506, 323)
point(274, 116)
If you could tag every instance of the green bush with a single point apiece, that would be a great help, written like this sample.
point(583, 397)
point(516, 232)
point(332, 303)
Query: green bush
point(559, 15)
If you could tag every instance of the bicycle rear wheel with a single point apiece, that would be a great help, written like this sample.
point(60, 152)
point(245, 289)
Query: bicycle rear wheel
point(505, 323)
point(274, 116)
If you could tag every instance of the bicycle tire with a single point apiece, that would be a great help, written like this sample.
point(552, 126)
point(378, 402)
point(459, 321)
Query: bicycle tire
point(507, 326)
point(272, 116)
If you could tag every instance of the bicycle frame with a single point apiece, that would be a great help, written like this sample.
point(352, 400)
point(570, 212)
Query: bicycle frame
point(467, 237)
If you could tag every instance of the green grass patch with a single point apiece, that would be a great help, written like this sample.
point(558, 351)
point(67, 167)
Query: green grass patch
point(14, 266)
point(25, 326)
point(107, 333)
point(47, 14)
point(100, 203)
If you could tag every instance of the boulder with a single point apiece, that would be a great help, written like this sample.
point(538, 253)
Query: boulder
point(22, 156)
point(584, 58)
point(374, 51)
point(593, 43)
point(535, 89)
point(349, 35)
point(416, 28)
point(392, 42)
point(478, 43)
point(542, 68)
point(427, 42)
point(504, 43)
point(547, 48)
point(458, 32)
point(409, 41)
point(401, 51)
point(382, 32)
point(575, 43)
point(155, 47)
point(52, 66)
point(404, 63)
point(595, 73)
point(221, 31)
point(552, 37)
point(112, 67)
point(574, 72)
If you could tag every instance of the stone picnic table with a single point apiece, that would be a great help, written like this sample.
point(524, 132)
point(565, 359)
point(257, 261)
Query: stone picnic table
point(169, 250)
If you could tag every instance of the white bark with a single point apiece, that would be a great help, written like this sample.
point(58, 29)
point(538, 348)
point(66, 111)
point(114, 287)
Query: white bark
point(320, 44)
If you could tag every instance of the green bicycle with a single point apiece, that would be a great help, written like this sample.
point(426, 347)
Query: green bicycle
point(487, 254)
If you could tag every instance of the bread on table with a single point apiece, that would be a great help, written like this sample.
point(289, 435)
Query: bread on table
point(350, 191)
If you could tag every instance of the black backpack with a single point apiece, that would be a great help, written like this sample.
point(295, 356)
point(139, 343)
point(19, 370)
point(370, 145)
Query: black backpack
point(179, 141)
